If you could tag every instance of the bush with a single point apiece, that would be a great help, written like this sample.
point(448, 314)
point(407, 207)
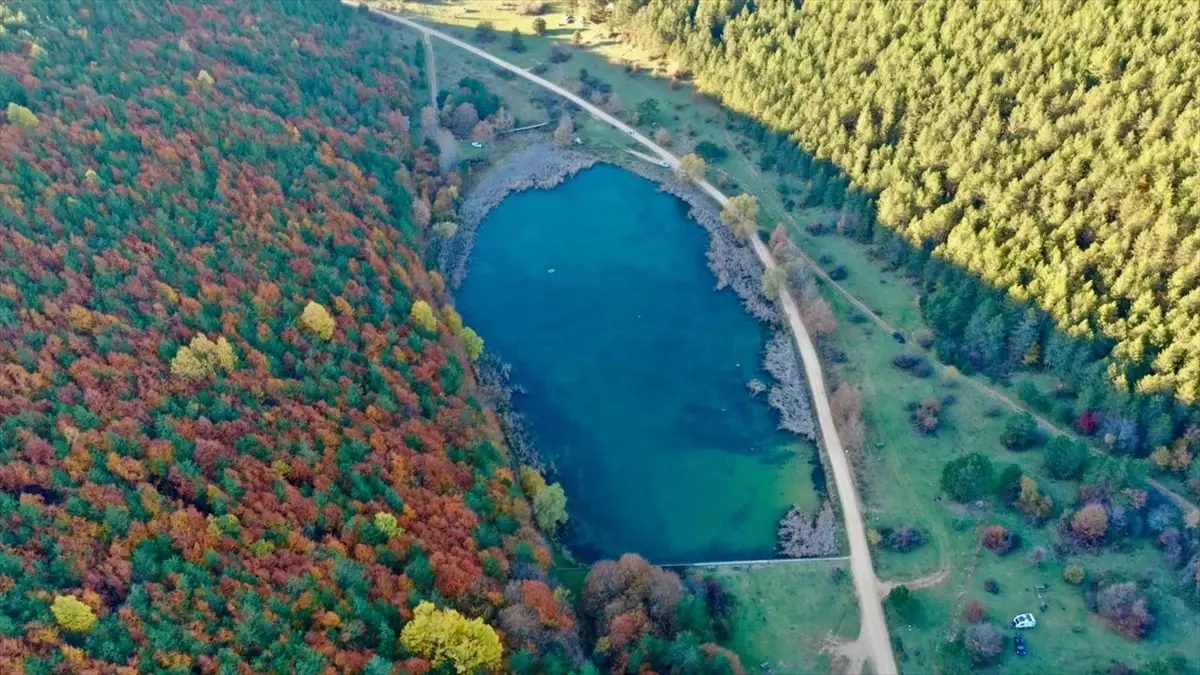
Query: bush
point(711, 152)
point(533, 7)
point(968, 477)
point(558, 55)
point(904, 539)
point(1090, 523)
point(1126, 609)
point(925, 417)
point(1065, 459)
point(901, 602)
point(953, 659)
point(485, 31)
point(1020, 432)
point(914, 363)
point(975, 613)
point(984, 642)
point(1000, 539)
point(1073, 574)
point(991, 587)
point(838, 272)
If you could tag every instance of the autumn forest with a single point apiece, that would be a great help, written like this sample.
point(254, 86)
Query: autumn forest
point(239, 427)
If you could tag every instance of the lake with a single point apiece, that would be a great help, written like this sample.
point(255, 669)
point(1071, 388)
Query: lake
point(635, 370)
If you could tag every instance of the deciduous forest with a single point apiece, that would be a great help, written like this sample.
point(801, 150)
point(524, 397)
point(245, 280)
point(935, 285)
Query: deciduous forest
point(239, 428)
point(1048, 149)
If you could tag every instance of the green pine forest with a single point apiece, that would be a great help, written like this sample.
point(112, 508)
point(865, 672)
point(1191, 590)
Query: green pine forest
point(1048, 148)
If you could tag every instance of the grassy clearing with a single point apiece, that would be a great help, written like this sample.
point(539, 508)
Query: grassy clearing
point(785, 612)
point(903, 467)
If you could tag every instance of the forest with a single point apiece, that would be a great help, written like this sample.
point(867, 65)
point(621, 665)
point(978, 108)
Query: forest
point(239, 423)
point(1032, 165)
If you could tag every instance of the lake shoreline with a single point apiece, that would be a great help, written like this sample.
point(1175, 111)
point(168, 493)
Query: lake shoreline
point(544, 165)
point(541, 166)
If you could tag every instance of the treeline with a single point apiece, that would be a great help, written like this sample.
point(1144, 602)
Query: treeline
point(239, 428)
point(1049, 149)
point(1038, 291)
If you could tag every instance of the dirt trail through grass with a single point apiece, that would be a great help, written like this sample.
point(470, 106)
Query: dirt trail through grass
point(873, 634)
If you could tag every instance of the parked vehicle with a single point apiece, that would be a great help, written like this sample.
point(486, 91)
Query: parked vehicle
point(1019, 645)
point(1024, 621)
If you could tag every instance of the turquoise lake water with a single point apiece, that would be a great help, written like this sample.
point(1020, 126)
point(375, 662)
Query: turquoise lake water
point(635, 370)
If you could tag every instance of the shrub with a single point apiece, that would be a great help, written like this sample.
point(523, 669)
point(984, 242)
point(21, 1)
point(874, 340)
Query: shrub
point(904, 539)
point(984, 642)
point(559, 55)
point(533, 8)
point(1008, 486)
point(539, 26)
point(914, 363)
point(999, 539)
point(485, 31)
point(1033, 503)
point(1126, 609)
point(1090, 523)
point(968, 477)
point(1036, 556)
point(1020, 432)
point(1073, 574)
point(991, 587)
point(1065, 459)
point(975, 613)
point(838, 272)
point(925, 417)
point(904, 604)
point(711, 152)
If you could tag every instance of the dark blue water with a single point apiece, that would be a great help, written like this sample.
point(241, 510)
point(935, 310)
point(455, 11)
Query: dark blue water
point(598, 294)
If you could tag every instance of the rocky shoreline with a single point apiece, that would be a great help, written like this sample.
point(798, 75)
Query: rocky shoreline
point(544, 166)
point(733, 263)
point(541, 166)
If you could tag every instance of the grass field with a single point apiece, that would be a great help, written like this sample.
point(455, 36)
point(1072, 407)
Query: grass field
point(780, 603)
point(785, 612)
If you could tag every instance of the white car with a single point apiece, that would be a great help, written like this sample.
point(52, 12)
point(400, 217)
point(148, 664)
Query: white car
point(664, 164)
point(476, 144)
point(1024, 621)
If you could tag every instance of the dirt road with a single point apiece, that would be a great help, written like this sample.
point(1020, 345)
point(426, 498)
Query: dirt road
point(873, 631)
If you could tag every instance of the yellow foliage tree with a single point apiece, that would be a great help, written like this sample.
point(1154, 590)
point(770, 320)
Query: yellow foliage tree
point(316, 320)
point(452, 319)
point(21, 116)
point(205, 79)
point(473, 343)
point(203, 357)
point(422, 314)
point(446, 636)
point(741, 215)
point(691, 168)
point(72, 614)
point(387, 524)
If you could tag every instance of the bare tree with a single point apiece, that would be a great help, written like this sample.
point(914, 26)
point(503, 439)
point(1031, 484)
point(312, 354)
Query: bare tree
point(803, 537)
point(846, 404)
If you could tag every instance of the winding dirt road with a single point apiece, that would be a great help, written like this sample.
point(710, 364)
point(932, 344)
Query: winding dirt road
point(873, 633)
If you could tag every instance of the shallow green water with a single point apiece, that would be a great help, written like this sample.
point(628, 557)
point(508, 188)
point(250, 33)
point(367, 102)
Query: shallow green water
point(635, 371)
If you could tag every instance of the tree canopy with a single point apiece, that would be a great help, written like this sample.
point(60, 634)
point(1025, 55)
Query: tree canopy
point(1050, 149)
